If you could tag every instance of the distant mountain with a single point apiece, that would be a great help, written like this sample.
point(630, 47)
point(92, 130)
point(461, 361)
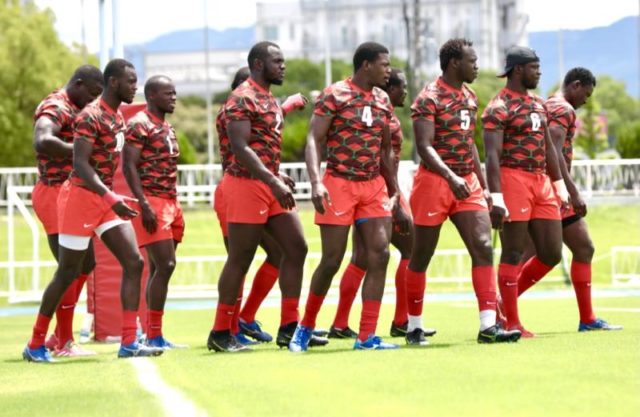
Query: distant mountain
point(611, 50)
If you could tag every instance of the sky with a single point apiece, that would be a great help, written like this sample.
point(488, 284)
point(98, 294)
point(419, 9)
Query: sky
point(144, 20)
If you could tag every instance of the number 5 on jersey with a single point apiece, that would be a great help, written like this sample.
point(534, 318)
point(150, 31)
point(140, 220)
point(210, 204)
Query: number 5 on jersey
point(466, 119)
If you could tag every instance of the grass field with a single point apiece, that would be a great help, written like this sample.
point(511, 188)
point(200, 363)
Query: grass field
point(559, 373)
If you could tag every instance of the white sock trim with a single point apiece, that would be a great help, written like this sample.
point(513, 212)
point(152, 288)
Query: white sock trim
point(487, 319)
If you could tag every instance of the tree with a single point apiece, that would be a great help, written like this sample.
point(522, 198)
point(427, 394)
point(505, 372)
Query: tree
point(486, 86)
point(33, 62)
point(628, 140)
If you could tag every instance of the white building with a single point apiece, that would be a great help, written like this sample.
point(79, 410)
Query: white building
point(301, 28)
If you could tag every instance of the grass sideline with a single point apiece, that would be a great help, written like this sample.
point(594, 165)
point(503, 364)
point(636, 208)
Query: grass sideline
point(561, 372)
point(609, 226)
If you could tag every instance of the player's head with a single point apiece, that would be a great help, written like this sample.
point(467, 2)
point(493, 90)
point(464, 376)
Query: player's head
point(266, 61)
point(120, 79)
point(578, 86)
point(241, 76)
point(459, 59)
point(85, 85)
point(160, 92)
point(397, 87)
point(523, 66)
point(372, 60)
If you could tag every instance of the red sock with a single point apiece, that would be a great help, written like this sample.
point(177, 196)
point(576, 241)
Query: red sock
point(311, 310)
point(369, 318)
point(484, 285)
point(289, 311)
point(349, 284)
point(235, 324)
point(82, 278)
point(264, 280)
point(224, 315)
point(154, 323)
point(129, 326)
point(416, 285)
point(508, 283)
point(64, 315)
point(581, 278)
point(400, 316)
point(39, 331)
point(532, 271)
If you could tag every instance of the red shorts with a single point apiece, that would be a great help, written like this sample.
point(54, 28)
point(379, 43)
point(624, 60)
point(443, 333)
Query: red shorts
point(568, 213)
point(81, 211)
point(169, 218)
point(220, 207)
point(528, 195)
point(249, 201)
point(354, 200)
point(432, 200)
point(45, 203)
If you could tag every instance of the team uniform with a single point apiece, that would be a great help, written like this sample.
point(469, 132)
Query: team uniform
point(352, 176)
point(527, 189)
point(158, 170)
point(453, 112)
point(247, 199)
point(53, 171)
point(219, 205)
point(395, 129)
point(82, 212)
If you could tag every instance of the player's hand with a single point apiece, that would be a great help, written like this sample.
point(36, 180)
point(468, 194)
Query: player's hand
point(402, 220)
point(563, 194)
point(282, 193)
point(459, 187)
point(320, 195)
point(118, 204)
point(296, 101)
point(498, 216)
point(288, 181)
point(579, 205)
point(149, 220)
point(487, 196)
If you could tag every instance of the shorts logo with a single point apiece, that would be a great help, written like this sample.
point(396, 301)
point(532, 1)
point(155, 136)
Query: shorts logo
point(432, 213)
point(263, 211)
point(524, 210)
point(86, 226)
point(339, 213)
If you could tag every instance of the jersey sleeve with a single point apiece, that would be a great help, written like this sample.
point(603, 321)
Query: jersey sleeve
point(559, 115)
point(424, 107)
point(136, 134)
point(86, 127)
point(239, 108)
point(326, 104)
point(495, 115)
point(54, 112)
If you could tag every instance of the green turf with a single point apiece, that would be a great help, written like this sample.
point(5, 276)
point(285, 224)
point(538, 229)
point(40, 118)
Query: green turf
point(560, 373)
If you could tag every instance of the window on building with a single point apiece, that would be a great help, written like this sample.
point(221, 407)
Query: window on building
point(271, 32)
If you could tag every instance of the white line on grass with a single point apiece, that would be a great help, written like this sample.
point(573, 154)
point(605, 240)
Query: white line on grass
point(619, 309)
point(174, 402)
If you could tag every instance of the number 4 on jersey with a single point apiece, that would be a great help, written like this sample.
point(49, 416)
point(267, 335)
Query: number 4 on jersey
point(367, 116)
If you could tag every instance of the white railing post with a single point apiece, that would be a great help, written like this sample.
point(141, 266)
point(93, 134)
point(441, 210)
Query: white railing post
point(10, 238)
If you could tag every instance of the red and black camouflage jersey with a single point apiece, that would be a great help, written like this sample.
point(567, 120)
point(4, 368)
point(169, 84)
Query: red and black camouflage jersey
point(249, 101)
point(223, 139)
point(158, 164)
point(104, 128)
point(355, 135)
point(453, 113)
point(396, 136)
point(523, 119)
point(61, 111)
point(561, 113)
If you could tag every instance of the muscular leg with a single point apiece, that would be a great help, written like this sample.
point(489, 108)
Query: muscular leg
point(162, 262)
point(403, 243)
point(513, 238)
point(547, 240)
point(349, 283)
point(576, 237)
point(375, 234)
point(334, 243)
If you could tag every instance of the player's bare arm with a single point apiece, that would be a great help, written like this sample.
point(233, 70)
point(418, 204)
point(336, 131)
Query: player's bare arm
point(46, 140)
point(130, 160)
point(389, 173)
point(477, 168)
point(317, 137)
point(493, 150)
point(239, 133)
point(424, 131)
point(81, 153)
point(553, 168)
point(558, 135)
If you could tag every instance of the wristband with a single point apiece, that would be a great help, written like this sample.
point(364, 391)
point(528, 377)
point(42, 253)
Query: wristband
point(498, 201)
point(112, 198)
point(293, 102)
point(561, 190)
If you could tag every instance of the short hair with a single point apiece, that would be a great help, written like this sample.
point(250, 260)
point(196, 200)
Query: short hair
point(581, 74)
point(367, 51)
point(394, 78)
point(86, 73)
point(241, 75)
point(452, 49)
point(153, 83)
point(116, 68)
point(260, 51)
